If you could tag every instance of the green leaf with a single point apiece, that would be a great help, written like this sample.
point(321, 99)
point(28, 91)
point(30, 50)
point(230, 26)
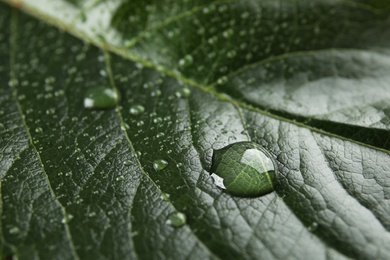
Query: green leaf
point(307, 80)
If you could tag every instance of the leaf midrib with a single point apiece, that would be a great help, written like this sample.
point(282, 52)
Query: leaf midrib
point(122, 52)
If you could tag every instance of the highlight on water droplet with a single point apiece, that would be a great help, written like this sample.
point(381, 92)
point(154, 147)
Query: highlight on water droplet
point(101, 97)
point(160, 164)
point(177, 219)
point(136, 109)
point(183, 93)
point(244, 169)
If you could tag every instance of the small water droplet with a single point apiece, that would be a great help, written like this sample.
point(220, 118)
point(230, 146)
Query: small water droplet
point(183, 93)
point(228, 33)
point(14, 230)
point(177, 219)
point(120, 178)
point(128, 163)
point(244, 169)
point(92, 214)
point(38, 130)
point(159, 135)
point(186, 61)
point(136, 109)
point(156, 93)
point(222, 80)
point(67, 218)
point(157, 120)
point(160, 164)
point(313, 227)
point(101, 97)
point(165, 196)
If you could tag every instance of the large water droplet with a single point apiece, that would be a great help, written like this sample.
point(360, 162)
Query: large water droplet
point(101, 97)
point(160, 164)
point(177, 219)
point(244, 169)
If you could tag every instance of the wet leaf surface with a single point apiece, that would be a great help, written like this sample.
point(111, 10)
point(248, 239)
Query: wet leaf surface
point(306, 80)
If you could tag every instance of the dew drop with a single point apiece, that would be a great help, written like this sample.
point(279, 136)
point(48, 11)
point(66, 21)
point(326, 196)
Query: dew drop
point(160, 164)
point(38, 130)
point(67, 218)
point(244, 169)
point(176, 219)
point(128, 163)
point(120, 178)
point(186, 61)
point(136, 110)
point(183, 93)
point(165, 196)
point(156, 93)
point(14, 230)
point(313, 227)
point(101, 97)
point(157, 120)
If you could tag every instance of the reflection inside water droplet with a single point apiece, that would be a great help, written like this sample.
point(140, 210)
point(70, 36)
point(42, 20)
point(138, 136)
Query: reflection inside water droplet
point(244, 169)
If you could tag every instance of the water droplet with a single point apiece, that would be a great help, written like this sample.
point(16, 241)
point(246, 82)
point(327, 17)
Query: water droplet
point(177, 219)
point(222, 80)
point(244, 169)
point(159, 135)
point(157, 120)
point(186, 61)
point(136, 109)
point(101, 97)
point(313, 227)
point(14, 230)
point(120, 178)
point(165, 196)
point(228, 33)
point(160, 164)
point(67, 218)
point(183, 93)
point(128, 163)
point(156, 93)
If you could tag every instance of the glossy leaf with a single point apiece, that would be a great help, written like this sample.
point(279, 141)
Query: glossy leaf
point(307, 80)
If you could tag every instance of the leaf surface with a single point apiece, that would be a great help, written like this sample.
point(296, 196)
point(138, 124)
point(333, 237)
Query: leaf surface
point(307, 80)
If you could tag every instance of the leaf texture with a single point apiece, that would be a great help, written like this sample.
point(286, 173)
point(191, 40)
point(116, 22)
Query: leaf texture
point(307, 80)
